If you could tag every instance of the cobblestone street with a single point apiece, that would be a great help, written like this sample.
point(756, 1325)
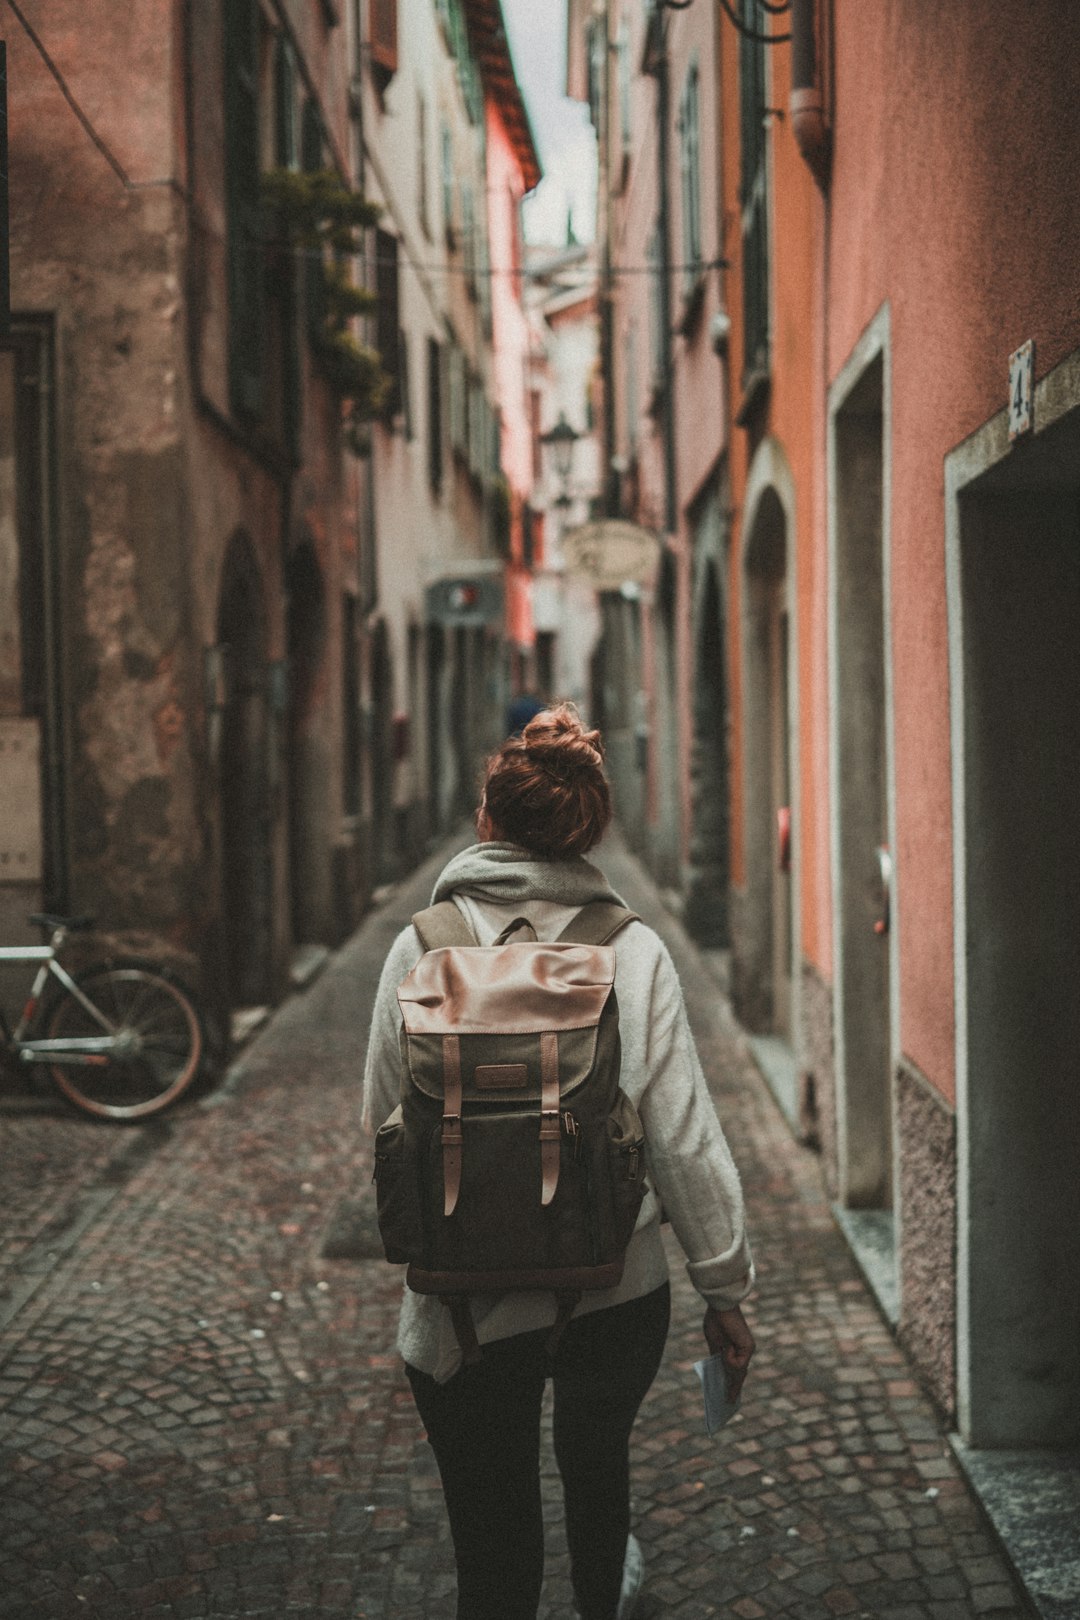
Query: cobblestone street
point(203, 1414)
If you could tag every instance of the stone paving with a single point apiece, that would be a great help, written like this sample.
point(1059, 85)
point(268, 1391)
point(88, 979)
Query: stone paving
point(202, 1415)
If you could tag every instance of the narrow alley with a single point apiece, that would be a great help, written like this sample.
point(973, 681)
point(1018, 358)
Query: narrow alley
point(203, 1414)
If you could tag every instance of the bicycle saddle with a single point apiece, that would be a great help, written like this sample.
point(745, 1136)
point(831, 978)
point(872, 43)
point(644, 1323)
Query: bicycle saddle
point(51, 921)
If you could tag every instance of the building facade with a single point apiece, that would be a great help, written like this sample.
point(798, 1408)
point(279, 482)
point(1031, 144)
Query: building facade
point(252, 633)
point(868, 592)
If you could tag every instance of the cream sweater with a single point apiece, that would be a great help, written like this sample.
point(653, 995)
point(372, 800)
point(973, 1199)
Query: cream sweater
point(689, 1167)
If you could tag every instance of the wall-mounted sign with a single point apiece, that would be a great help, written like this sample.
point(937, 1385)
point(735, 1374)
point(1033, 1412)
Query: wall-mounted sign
point(1021, 389)
point(611, 553)
point(471, 599)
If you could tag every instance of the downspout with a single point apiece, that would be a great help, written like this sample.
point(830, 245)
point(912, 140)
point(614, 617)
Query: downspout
point(611, 485)
point(809, 124)
point(663, 114)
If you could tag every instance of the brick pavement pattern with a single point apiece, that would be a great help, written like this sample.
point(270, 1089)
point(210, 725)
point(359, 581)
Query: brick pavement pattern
point(202, 1415)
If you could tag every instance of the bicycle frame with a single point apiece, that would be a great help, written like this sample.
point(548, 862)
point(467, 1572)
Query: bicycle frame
point(89, 1049)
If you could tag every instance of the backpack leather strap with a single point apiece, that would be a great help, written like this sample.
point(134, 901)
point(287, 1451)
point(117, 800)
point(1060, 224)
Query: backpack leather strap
point(442, 925)
point(550, 1123)
point(452, 1140)
point(597, 923)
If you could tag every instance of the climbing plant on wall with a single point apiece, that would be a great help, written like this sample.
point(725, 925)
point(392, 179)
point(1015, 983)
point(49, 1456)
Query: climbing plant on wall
point(322, 221)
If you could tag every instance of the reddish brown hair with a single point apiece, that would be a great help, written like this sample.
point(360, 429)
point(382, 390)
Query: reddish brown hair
point(546, 790)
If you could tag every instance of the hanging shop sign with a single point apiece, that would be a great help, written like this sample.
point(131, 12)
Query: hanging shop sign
point(611, 553)
point(468, 600)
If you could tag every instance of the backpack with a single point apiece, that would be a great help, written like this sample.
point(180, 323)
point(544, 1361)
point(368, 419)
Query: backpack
point(514, 1159)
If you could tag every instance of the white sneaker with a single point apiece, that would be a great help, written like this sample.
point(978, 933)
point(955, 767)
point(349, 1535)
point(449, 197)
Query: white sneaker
point(633, 1578)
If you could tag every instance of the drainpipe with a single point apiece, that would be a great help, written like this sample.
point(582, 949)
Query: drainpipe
point(663, 119)
point(812, 134)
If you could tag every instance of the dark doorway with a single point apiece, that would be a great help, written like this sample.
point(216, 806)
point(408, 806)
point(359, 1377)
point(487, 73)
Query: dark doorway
point(707, 899)
point(1019, 1309)
point(382, 756)
point(244, 778)
point(309, 810)
point(33, 844)
point(864, 1034)
point(764, 981)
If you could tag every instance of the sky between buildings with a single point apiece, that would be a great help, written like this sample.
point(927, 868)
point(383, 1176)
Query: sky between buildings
point(564, 135)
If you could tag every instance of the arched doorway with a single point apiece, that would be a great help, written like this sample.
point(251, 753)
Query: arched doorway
point(665, 833)
point(309, 898)
point(244, 779)
point(707, 899)
point(764, 968)
point(382, 755)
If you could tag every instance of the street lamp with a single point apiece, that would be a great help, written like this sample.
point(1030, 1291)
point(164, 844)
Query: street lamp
point(561, 439)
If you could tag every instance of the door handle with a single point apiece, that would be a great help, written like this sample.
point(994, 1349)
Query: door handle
point(885, 873)
point(783, 833)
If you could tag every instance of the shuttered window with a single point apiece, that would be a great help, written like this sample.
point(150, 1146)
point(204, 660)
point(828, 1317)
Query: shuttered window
point(388, 316)
point(690, 176)
point(382, 22)
point(287, 155)
point(245, 289)
point(435, 414)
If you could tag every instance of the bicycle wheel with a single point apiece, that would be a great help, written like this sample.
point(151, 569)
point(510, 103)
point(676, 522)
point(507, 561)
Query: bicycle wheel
point(155, 1041)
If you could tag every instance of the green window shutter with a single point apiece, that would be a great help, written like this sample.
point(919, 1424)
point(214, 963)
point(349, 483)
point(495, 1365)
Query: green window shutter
point(244, 250)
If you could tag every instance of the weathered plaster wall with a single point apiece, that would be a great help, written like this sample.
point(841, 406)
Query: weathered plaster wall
point(97, 243)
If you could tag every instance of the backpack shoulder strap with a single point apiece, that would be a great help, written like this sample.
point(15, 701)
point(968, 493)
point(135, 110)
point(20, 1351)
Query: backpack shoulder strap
point(597, 923)
point(442, 925)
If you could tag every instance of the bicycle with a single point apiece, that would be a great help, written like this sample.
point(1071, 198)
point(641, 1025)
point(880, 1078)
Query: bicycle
point(122, 1039)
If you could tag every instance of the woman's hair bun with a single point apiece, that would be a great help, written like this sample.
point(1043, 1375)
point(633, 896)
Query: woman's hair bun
point(559, 734)
point(546, 789)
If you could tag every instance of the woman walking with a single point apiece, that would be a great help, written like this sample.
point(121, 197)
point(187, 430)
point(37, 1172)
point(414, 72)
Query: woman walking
point(545, 804)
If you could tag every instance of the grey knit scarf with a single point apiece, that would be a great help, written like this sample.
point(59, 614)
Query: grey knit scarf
point(505, 872)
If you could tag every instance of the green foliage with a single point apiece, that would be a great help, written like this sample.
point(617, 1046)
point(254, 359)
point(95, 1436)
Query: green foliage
point(320, 217)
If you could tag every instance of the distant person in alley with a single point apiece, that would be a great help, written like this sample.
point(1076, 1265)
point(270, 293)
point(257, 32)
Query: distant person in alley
point(521, 709)
point(522, 1166)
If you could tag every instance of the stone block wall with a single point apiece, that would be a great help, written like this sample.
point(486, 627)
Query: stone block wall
point(926, 1143)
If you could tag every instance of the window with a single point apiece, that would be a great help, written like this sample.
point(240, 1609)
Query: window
point(624, 95)
point(456, 390)
point(287, 156)
point(468, 236)
point(656, 313)
point(594, 43)
point(244, 248)
point(388, 317)
point(422, 166)
point(753, 196)
point(690, 173)
point(382, 25)
point(435, 414)
point(446, 159)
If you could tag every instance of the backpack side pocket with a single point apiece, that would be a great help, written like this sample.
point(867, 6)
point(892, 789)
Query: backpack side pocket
point(395, 1192)
point(626, 1150)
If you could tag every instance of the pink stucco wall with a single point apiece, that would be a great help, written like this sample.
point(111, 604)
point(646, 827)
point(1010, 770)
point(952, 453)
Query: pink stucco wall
point(954, 199)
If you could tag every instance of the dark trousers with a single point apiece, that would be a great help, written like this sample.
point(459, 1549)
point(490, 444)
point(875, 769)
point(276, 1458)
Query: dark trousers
point(484, 1427)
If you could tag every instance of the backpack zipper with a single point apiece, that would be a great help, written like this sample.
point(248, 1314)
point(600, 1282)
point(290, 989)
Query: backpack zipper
point(573, 1131)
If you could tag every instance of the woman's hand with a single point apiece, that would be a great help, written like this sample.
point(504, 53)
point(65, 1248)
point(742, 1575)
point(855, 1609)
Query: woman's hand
point(727, 1335)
